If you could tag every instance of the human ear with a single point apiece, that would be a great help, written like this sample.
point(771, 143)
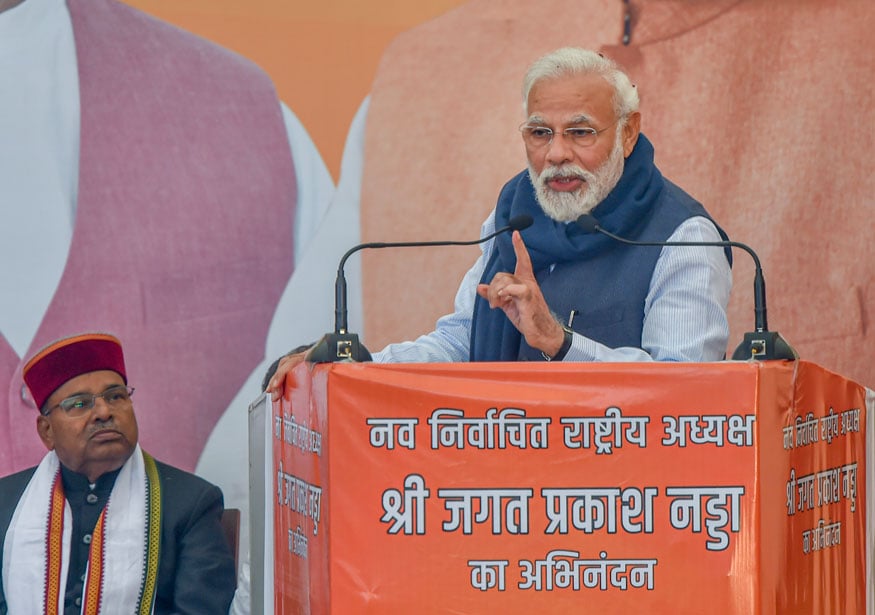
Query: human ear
point(631, 129)
point(44, 429)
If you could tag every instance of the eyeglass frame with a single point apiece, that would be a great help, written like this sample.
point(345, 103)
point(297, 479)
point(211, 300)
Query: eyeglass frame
point(84, 396)
point(595, 132)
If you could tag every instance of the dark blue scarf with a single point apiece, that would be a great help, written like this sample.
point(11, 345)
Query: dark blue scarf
point(626, 209)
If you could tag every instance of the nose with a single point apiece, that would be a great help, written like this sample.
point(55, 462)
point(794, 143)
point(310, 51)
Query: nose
point(559, 150)
point(101, 408)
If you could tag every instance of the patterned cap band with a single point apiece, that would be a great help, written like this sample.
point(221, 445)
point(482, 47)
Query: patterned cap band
point(67, 358)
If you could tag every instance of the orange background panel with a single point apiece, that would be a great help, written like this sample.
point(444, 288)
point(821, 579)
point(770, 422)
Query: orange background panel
point(322, 56)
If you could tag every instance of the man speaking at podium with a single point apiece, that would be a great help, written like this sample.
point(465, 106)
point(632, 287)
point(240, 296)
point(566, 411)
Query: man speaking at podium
point(560, 293)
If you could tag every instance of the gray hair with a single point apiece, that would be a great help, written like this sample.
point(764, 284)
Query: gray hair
point(571, 60)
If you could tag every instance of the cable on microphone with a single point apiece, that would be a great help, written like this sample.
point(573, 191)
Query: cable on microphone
point(760, 343)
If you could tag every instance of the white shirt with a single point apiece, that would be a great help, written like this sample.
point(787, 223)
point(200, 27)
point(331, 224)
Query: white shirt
point(684, 312)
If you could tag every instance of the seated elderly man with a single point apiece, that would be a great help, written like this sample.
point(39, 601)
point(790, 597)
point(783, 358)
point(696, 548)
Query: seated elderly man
point(558, 292)
point(99, 526)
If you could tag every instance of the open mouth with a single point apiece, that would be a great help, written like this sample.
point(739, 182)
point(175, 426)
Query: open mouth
point(565, 183)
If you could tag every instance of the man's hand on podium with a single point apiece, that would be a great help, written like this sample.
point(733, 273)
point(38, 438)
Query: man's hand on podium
point(274, 380)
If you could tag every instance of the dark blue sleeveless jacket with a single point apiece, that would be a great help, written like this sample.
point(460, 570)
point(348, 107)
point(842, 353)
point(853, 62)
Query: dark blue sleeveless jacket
point(604, 281)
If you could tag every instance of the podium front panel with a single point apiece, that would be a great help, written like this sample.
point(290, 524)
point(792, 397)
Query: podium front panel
point(736, 487)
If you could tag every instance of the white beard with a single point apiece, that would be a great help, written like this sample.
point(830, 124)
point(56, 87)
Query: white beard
point(569, 206)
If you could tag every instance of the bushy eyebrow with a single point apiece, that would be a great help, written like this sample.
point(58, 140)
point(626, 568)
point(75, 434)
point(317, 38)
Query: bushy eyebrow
point(537, 120)
point(581, 119)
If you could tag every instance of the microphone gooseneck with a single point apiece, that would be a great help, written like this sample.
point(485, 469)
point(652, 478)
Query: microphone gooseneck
point(590, 224)
point(759, 344)
point(517, 223)
point(342, 345)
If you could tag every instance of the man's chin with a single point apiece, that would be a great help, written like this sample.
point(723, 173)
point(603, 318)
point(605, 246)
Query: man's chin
point(110, 445)
point(564, 206)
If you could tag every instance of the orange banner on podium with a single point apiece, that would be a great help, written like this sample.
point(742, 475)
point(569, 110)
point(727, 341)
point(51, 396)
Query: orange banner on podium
point(731, 488)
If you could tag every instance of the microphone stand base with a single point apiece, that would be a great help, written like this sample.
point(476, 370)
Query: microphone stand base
point(336, 347)
point(764, 346)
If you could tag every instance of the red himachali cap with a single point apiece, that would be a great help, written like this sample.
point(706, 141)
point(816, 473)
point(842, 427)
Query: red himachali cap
point(67, 358)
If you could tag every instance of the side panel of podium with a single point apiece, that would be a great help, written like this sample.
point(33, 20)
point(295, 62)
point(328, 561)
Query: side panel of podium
point(817, 492)
point(261, 506)
point(507, 488)
point(301, 483)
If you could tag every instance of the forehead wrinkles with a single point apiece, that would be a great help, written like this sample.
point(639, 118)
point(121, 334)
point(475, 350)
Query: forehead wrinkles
point(586, 93)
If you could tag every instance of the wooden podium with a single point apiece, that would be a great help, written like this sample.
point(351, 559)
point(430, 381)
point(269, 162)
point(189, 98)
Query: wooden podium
point(479, 488)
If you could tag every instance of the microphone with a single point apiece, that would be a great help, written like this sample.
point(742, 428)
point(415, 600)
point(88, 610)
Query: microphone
point(341, 345)
point(760, 343)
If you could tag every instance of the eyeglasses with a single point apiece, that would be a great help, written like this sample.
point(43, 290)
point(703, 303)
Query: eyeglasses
point(79, 405)
point(541, 136)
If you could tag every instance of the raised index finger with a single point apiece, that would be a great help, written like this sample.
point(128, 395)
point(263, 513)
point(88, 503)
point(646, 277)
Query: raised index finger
point(523, 260)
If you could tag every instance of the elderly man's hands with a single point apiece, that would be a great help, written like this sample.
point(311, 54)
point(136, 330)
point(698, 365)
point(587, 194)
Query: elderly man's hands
point(519, 295)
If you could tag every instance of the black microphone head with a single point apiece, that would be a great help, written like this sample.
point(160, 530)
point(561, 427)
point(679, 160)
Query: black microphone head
point(588, 223)
point(520, 222)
